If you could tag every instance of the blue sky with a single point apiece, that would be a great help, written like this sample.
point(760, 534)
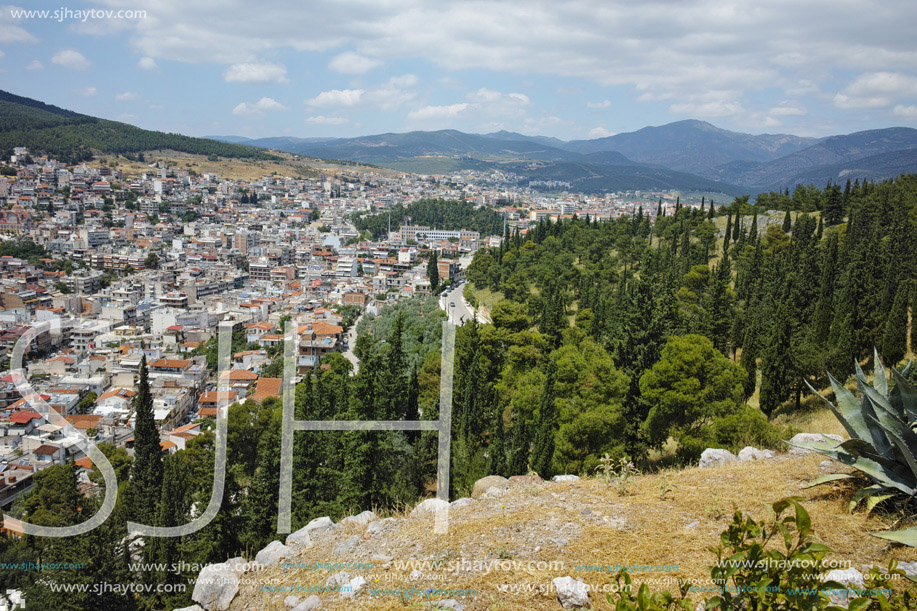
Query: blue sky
point(574, 69)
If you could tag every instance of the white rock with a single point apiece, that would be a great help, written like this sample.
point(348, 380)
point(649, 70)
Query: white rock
point(347, 546)
point(291, 601)
point(300, 538)
point(239, 564)
point(313, 602)
point(462, 502)
point(449, 603)
point(215, 587)
point(716, 457)
point(273, 553)
point(361, 519)
point(320, 526)
point(429, 506)
point(850, 578)
point(909, 568)
point(415, 575)
point(484, 483)
point(337, 580)
point(565, 478)
point(693, 525)
point(381, 558)
point(571, 593)
point(493, 493)
point(191, 608)
point(357, 585)
point(749, 454)
point(800, 437)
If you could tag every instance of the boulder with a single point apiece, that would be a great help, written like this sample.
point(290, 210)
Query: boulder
point(361, 519)
point(571, 593)
point(565, 478)
point(481, 486)
point(300, 538)
point(191, 608)
point(851, 578)
point(273, 554)
point(215, 587)
point(347, 546)
point(716, 457)
point(429, 506)
point(749, 454)
point(321, 525)
point(449, 603)
point(494, 492)
point(291, 601)
point(808, 437)
point(909, 568)
point(526, 480)
point(356, 585)
point(337, 580)
point(239, 564)
point(313, 602)
point(462, 502)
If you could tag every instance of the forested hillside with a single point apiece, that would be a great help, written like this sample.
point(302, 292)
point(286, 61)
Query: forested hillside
point(448, 215)
point(71, 137)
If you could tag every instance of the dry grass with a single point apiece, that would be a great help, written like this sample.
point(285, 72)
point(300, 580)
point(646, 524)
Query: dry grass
point(547, 523)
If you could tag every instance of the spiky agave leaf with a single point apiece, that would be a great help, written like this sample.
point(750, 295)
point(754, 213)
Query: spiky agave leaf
point(908, 536)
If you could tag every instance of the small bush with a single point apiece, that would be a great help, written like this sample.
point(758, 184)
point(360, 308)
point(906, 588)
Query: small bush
point(747, 427)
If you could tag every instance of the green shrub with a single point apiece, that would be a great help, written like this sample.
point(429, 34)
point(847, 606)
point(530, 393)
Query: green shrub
point(747, 426)
point(752, 573)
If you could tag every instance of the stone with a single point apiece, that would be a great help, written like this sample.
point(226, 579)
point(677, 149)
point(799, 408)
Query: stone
point(321, 526)
point(462, 502)
point(313, 602)
point(215, 587)
point(851, 578)
point(493, 493)
point(526, 480)
point(356, 585)
point(565, 478)
point(337, 580)
point(749, 454)
point(909, 568)
point(449, 603)
point(300, 538)
point(481, 486)
point(571, 593)
point(693, 525)
point(716, 457)
point(191, 608)
point(361, 519)
point(291, 601)
point(807, 437)
point(415, 575)
point(273, 554)
point(381, 558)
point(347, 546)
point(429, 506)
point(239, 564)
point(379, 526)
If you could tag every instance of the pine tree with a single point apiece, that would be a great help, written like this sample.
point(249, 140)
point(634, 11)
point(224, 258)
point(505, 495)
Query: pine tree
point(146, 473)
point(543, 450)
point(519, 458)
point(496, 451)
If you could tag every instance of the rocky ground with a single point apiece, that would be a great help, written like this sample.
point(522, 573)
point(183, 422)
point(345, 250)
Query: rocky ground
point(532, 544)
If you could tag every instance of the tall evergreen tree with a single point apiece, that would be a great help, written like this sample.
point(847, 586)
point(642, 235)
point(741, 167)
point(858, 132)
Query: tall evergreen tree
point(894, 339)
point(543, 450)
point(146, 473)
point(433, 271)
point(777, 368)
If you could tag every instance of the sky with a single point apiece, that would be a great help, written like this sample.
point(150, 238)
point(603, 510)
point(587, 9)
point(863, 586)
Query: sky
point(571, 69)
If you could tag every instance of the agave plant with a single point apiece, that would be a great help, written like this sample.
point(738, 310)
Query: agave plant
point(882, 444)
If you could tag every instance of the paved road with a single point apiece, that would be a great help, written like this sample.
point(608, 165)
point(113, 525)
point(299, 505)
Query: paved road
point(351, 342)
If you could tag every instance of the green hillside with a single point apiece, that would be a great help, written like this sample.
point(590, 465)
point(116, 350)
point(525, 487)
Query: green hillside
point(71, 137)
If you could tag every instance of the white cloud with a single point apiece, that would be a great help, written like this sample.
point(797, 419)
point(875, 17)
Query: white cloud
point(602, 104)
point(600, 132)
point(788, 109)
point(323, 120)
point(256, 73)
point(2, 54)
point(35, 65)
point(353, 63)
point(337, 97)
point(10, 32)
point(71, 59)
point(127, 96)
point(909, 112)
point(258, 108)
point(439, 112)
point(711, 109)
point(876, 90)
point(86, 92)
point(146, 63)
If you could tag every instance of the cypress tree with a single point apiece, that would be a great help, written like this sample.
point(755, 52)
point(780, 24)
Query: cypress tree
point(146, 472)
point(894, 340)
point(787, 222)
point(496, 451)
point(753, 231)
point(543, 451)
point(777, 370)
point(519, 459)
point(433, 272)
point(728, 235)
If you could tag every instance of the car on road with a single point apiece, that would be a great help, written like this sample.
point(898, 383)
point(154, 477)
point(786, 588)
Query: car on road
point(451, 304)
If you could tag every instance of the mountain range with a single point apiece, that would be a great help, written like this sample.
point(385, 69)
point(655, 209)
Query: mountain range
point(690, 155)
